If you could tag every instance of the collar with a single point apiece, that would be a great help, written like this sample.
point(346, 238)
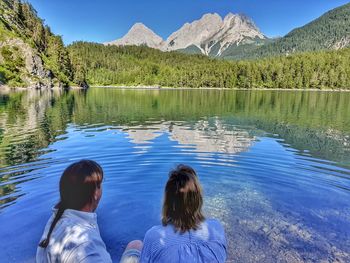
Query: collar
point(80, 216)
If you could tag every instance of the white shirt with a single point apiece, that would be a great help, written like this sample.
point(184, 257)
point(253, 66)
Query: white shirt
point(75, 238)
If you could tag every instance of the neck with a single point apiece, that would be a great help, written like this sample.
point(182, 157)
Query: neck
point(88, 208)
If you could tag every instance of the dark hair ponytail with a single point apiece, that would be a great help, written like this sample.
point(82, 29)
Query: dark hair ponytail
point(78, 184)
point(44, 243)
point(183, 200)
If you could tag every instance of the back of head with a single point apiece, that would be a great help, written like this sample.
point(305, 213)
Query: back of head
point(78, 187)
point(183, 200)
point(78, 184)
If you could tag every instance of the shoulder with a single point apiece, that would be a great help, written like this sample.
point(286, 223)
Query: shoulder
point(155, 232)
point(158, 237)
point(84, 243)
point(215, 228)
point(216, 239)
point(214, 223)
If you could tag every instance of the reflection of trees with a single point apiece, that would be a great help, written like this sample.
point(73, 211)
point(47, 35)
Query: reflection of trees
point(307, 109)
point(327, 144)
point(29, 122)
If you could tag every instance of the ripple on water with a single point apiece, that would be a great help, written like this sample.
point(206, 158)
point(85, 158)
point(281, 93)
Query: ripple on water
point(280, 197)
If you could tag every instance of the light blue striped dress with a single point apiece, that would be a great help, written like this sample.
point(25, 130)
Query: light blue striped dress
point(164, 245)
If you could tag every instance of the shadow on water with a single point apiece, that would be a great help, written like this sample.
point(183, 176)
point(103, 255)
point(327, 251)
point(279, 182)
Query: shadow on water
point(274, 165)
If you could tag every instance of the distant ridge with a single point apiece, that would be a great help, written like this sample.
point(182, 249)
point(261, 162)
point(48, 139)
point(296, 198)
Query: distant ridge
point(330, 31)
point(237, 37)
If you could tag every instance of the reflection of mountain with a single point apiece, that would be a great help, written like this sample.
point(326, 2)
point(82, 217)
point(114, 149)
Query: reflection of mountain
point(203, 136)
point(144, 134)
point(206, 137)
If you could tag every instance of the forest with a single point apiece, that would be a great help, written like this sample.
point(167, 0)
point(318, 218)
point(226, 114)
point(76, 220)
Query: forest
point(131, 65)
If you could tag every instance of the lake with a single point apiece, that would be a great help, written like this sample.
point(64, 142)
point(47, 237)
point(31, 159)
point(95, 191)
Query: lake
point(274, 165)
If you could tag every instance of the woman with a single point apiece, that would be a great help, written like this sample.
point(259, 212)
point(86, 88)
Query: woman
point(185, 235)
point(72, 234)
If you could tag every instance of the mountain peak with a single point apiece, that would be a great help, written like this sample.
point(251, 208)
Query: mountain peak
point(138, 26)
point(139, 35)
point(211, 16)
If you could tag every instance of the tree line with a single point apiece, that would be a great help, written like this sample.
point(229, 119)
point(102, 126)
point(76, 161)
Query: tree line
point(131, 65)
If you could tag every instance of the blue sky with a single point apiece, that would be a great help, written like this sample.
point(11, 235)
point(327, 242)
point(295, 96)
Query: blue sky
point(106, 20)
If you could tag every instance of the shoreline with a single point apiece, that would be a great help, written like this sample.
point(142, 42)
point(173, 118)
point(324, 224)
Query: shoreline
point(157, 87)
point(211, 88)
point(7, 88)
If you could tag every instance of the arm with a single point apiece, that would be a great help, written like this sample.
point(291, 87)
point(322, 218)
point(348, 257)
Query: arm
point(219, 243)
point(146, 253)
point(90, 252)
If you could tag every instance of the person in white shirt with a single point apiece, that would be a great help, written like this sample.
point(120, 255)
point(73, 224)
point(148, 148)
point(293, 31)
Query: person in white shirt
point(72, 233)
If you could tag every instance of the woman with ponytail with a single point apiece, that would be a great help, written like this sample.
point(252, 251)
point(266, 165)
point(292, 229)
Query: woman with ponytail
point(72, 233)
point(185, 235)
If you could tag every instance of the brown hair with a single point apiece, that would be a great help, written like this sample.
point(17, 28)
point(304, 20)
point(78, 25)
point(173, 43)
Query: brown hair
point(78, 184)
point(183, 200)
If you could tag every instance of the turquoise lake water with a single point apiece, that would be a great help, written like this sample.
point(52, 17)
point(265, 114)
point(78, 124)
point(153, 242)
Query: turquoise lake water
point(274, 165)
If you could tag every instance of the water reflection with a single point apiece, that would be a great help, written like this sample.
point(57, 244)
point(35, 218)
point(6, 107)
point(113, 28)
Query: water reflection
point(206, 136)
point(274, 165)
point(312, 122)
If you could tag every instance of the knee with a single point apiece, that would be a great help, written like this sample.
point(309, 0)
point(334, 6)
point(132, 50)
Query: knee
point(135, 244)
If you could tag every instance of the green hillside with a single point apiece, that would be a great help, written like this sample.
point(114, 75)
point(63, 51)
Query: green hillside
point(240, 52)
point(30, 54)
point(331, 31)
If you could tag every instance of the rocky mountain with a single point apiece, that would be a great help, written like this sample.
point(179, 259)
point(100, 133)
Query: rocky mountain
point(210, 35)
point(196, 33)
point(139, 35)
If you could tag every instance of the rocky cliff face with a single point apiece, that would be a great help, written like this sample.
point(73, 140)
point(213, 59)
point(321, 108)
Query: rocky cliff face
point(30, 54)
point(235, 30)
point(196, 33)
point(211, 35)
point(33, 72)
